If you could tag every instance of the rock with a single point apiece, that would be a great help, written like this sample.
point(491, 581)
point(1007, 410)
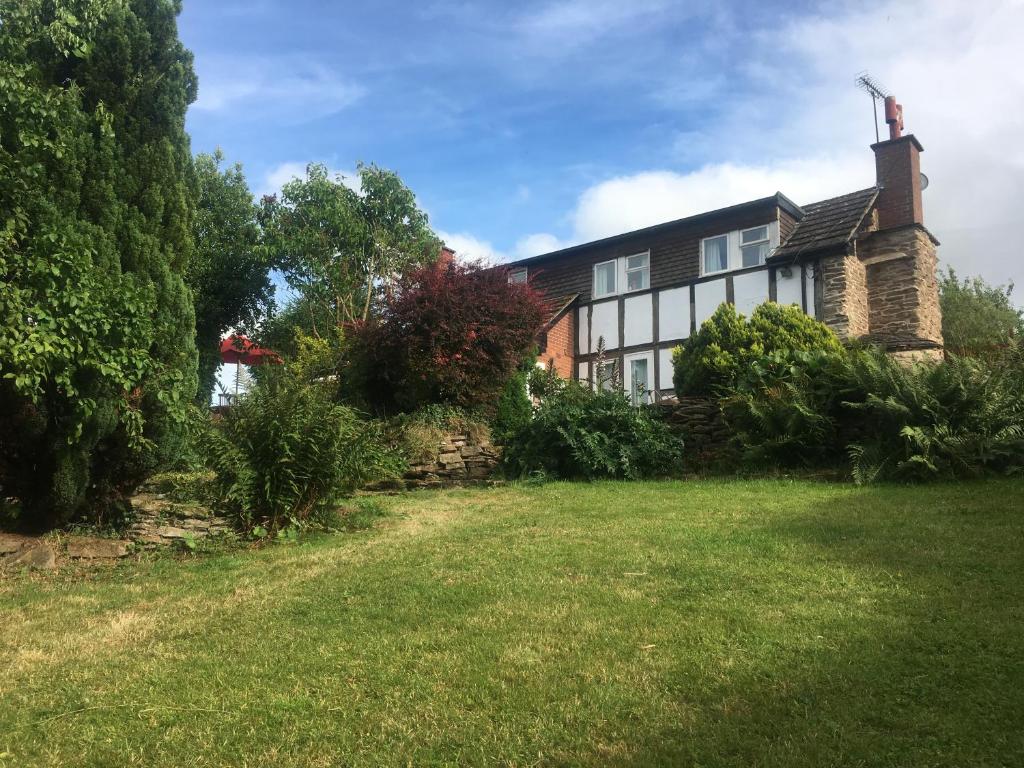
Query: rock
point(470, 450)
point(450, 458)
point(91, 548)
point(171, 532)
point(10, 543)
point(40, 556)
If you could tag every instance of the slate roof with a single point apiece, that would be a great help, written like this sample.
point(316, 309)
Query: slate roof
point(827, 224)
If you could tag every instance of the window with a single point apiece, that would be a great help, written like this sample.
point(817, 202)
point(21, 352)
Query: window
point(754, 246)
point(716, 254)
point(622, 275)
point(638, 272)
point(604, 279)
point(739, 249)
point(639, 384)
point(517, 275)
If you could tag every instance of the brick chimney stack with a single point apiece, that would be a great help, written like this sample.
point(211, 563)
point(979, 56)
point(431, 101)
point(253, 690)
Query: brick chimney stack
point(898, 175)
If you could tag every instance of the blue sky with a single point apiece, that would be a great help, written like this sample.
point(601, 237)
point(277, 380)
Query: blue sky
point(526, 126)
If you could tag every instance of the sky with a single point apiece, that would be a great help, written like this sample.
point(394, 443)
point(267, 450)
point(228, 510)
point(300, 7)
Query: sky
point(524, 127)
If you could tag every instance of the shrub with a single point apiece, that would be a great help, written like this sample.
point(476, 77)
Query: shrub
point(579, 433)
point(451, 334)
point(514, 407)
point(960, 418)
point(711, 361)
point(786, 409)
point(418, 435)
point(287, 452)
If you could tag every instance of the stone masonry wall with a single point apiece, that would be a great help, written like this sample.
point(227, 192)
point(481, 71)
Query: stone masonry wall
point(461, 459)
point(845, 295)
point(903, 287)
point(700, 423)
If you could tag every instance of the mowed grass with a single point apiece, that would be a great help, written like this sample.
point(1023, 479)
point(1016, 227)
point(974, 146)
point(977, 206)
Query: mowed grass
point(767, 623)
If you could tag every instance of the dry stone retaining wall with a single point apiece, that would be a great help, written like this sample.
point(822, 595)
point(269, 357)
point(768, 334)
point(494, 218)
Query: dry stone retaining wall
point(700, 423)
point(461, 459)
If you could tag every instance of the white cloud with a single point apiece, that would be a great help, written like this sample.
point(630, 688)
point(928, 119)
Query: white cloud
point(469, 248)
point(281, 174)
point(536, 244)
point(285, 89)
point(572, 22)
point(801, 127)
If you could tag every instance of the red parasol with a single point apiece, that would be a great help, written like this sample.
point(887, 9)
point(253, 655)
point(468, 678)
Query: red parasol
point(241, 349)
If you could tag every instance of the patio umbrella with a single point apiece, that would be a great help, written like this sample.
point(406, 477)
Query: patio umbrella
point(239, 349)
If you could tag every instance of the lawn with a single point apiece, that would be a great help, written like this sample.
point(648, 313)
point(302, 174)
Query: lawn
point(768, 623)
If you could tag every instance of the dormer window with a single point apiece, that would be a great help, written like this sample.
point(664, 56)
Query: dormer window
point(754, 245)
point(739, 249)
point(622, 275)
point(517, 275)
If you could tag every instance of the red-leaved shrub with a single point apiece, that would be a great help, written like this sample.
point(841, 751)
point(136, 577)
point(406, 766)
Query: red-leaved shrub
point(449, 333)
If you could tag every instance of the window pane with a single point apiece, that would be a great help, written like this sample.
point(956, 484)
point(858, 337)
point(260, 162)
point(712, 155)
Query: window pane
point(635, 262)
point(754, 235)
point(754, 254)
point(604, 279)
point(517, 276)
point(606, 376)
point(637, 279)
point(638, 379)
point(716, 254)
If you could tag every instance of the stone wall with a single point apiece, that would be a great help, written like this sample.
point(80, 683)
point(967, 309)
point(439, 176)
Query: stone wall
point(462, 458)
point(903, 290)
point(844, 295)
point(700, 423)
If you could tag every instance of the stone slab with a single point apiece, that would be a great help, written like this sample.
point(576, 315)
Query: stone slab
point(92, 548)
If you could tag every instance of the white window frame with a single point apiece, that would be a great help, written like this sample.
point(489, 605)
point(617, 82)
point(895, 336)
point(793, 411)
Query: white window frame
point(622, 272)
point(518, 271)
point(627, 376)
point(615, 290)
point(734, 252)
point(624, 267)
point(728, 255)
point(766, 240)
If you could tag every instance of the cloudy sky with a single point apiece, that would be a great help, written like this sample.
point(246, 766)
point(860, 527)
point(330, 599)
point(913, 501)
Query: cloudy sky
point(526, 126)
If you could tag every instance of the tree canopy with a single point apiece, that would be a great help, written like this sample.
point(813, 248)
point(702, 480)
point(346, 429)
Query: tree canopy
point(229, 271)
point(977, 318)
point(341, 250)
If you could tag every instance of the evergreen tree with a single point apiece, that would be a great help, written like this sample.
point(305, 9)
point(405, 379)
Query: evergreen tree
point(97, 351)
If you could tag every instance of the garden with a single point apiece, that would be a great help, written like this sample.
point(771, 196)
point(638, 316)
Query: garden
point(835, 582)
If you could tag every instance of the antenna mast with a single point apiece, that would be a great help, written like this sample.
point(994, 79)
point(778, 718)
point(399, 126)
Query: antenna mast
point(876, 91)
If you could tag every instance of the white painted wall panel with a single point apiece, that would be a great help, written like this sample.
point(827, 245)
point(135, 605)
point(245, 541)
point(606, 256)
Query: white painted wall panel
point(664, 369)
point(787, 289)
point(809, 280)
point(749, 290)
point(674, 313)
point(584, 371)
point(582, 329)
point(706, 298)
point(639, 320)
point(605, 323)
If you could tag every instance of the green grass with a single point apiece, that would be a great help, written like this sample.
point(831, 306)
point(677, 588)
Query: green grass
point(767, 623)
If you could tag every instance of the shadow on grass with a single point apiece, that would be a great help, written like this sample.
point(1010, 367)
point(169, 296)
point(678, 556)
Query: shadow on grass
point(925, 667)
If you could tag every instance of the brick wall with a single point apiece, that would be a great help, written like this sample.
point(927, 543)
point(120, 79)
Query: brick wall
point(898, 173)
point(558, 350)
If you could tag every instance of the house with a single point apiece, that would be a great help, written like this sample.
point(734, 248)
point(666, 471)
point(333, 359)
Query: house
point(863, 263)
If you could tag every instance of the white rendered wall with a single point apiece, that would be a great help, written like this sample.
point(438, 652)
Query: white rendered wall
point(664, 369)
point(605, 322)
point(749, 290)
point(638, 320)
point(583, 330)
point(787, 289)
point(583, 372)
point(674, 313)
point(809, 281)
point(706, 298)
